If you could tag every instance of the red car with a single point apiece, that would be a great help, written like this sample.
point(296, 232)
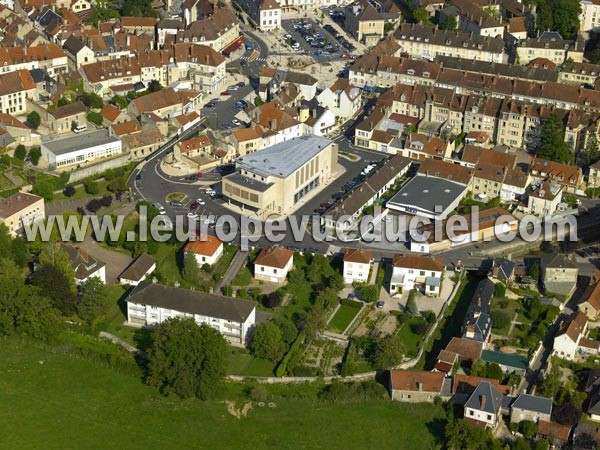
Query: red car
point(199, 174)
point(345, 56)
point(225, 93)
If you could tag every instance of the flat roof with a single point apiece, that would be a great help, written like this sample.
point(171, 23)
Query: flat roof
point(283, 159)
point(79, 142)
point(426, 192)
point(247, 182)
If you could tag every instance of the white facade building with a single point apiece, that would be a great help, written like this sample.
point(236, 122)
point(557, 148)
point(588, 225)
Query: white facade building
point(151, 303)
point(273, 264)
point(414, 271)
point(206, 251)
point(589, 19)
point(80, 148)
point(357, 265)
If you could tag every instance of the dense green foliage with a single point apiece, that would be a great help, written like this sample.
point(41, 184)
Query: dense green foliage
point(552, 141)
point(558, 15)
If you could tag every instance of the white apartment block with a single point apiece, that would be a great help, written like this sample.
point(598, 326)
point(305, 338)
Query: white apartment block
point(80, 149)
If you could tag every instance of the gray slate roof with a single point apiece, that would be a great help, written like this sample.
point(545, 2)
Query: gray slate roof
point(533, 403)
point(493, 398)
point(192, 302)
point(138, 268)
point(79, 142)
point(83, 263)
point(283, 159)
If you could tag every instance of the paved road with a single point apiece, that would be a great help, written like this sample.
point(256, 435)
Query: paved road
point(238, 261)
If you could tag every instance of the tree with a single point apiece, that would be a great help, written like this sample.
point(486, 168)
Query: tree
point(520, 444)
point(336, 282)
point(389, 352)
point(191, 269)
point(478, 368)
point(95, 118)
point(534, 271)
point(460, 434)
point(595, 56)
point(93, 205)
point(288, 329)
point(92, 100)
point(411, 305)
point(550, 383)
point(552, 141)
point(69, 191)
point(558, 15)
point(500, 319)
point(449, 23)
point(106, 201)
point(44, 188)
point(35, 154)
point(34, 120)
point(93, 300)
point(499, 290)
point(541, 444)
point(591, 152)
point(56, 287)
point(154, 86)
point(267, 342)
point(494, 371)
point(529, 428)
point(186, 359)
point(20, 152)
point(421, 15)
point(273, 300)
point(369, 293)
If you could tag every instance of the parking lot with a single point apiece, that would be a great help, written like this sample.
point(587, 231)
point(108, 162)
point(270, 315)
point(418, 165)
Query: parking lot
point(307, 36)
point(221, 112)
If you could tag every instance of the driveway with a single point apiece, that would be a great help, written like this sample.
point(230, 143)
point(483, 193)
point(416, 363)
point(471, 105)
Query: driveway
point(116, 262)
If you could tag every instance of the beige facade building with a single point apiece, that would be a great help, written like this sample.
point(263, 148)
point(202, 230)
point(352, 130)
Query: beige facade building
point(589, 19)
point(20, 209)
point(276, 179)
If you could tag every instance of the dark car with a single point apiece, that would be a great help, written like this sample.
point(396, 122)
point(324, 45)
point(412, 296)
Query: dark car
point(380, 304)
point(241, 84)
point(192, 178)
point(194, 206)
point(138, 177)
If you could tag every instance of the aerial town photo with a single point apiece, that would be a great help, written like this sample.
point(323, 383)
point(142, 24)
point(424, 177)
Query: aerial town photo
point(300, 224)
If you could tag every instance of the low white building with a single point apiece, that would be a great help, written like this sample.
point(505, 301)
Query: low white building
point(569, 337)
point(151, 303)
point(416, 271)
point(273, 264)
point(85, 265)
point(207, 250)
point(342, 98)
point(80, 149)
point(357, 265)
point(138, 270)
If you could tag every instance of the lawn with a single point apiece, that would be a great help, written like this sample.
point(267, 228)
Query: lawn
point(411, 340)
point(241, 362)
point(58, 401)
point(344, 315)
point(243, 278)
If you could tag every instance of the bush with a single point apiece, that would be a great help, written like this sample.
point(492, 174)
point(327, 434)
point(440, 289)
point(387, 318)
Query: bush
point(106, 201)
point(369, 293)
point(499, 290)
point(92, 188)
point(500, 319)
point(35, 154)
point(273, 300)
point(69, 191)
point(34, 120)
point(296, 348)
point(20, 152)
point(95, 118)
point(419, 328)
point(94, 205)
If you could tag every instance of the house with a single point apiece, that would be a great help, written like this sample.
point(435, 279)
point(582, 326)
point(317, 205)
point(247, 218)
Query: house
point(550, 45)
point(84, 265)
point(420, 146)
point(508, 362)
point(416, 272)
point(483, 408)
point(418, 386)
point(273, 264)
point(568, 176)
point(586, 436)
point(18, 131)
point(112, 115)
point(165, 103)
point(468, 350)
point(568, 338)
point(446, 362)
point(530, 407)
point(138, 270)
point(207, 250)
point(590, 304)
point(15, 89)
point(80, 148)
point(545, 198)
point(478, 322)
point(61, 119)
point(559, 274)
point(19, 210)
point(151, 303)
point(342, 98)
point(357, 265)
point(463, 387)
point(559, 434)
point(594, 175)
point(503, 270)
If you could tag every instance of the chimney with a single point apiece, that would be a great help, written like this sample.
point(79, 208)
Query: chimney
point(420, 386)
point(483, 401)
point(273, 124)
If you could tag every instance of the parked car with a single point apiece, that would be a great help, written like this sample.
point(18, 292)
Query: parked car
point(236, 122)
point(225, 93)
point(138, 177)
point(176, 203)
point(380, 304)
point(192, 178)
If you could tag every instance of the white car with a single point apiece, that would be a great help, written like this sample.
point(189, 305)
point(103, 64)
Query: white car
point(200, 202)
point(296, 46)
point(192, 215)
point(287, 36)
point(236, 122)
point(233, 87)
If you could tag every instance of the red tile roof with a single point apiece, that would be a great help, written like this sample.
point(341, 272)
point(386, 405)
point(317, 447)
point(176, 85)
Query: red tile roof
point(277, 257)
point(411, 380)
point(206, 247)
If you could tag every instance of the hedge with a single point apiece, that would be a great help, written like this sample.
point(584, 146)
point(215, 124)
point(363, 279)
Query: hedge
point(350, 303)
point(294, 349)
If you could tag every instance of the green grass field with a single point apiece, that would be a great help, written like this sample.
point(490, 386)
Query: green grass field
point(344, 316)
point(57, 401)
point(411, 340)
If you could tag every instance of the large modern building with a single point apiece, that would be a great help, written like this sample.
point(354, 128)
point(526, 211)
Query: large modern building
point(80, 149)
point(276, 179)
point(151, 303)
point(428, 196)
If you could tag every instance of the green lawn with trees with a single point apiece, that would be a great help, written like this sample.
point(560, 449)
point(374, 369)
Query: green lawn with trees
point(344, 315)
point(66, 402)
